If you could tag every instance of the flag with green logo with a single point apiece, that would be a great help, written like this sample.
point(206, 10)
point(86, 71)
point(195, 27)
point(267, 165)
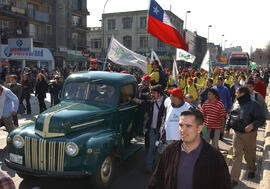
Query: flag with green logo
point(252, 65)
point(184, 55)
point(119, 54)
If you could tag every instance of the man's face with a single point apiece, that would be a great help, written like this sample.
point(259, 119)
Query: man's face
point(93, 65)
point(238, 94)
point(7, 78)
point(256, 80)
point(190, 82)
point(189, 129)
point(209, 84)
point(250, 88)
point(12, 80)
point(235, 80)
point(155, 94)
point(147, 82)
point(175, 99)
point(219, 82)
point(210, 96)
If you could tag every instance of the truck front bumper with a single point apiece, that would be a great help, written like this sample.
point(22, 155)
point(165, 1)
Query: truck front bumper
point(40, 173)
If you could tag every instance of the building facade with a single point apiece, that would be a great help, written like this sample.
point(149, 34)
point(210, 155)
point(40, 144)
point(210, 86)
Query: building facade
point(197, 46)
point(57, 25)
point(130, 29)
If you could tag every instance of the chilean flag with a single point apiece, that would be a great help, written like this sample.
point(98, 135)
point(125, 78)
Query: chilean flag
point(160, 26)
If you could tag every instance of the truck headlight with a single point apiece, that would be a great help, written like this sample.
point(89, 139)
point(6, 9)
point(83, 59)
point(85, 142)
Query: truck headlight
point(72, 149)
point(18, 141)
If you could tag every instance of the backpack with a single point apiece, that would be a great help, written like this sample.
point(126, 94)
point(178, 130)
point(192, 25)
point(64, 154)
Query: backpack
point(163, 78)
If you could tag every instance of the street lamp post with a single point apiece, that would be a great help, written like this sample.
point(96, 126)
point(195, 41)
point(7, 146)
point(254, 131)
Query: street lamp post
point(186, 19)
point(103, 33)
point(221, 44)
point(208, 32)
point(225, 43)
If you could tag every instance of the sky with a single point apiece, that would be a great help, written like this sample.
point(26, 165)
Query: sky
point(242, 22)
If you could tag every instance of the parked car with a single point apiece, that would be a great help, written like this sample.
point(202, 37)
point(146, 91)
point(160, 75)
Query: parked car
point(87, 134)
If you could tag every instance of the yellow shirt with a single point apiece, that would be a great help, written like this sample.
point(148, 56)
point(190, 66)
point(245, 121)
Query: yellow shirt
point(200, 83)
point(191, 90)
point(182, 83)
point(155, 75)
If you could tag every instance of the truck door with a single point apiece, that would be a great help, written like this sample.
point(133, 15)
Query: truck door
point(127, 113)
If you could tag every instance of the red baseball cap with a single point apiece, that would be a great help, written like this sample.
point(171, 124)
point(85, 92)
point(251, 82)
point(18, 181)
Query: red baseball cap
point(147, 77)
point(93, 60)
point(124, 72)
point(190, 79)
point(177, 92)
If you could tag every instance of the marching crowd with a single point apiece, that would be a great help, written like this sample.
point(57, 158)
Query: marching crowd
point(183, 118)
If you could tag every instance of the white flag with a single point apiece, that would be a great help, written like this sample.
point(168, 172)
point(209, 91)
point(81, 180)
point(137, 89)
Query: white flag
point(184, 55)
point(155, 56)
point(123, 56)
point(206, 62)
point(175, 74)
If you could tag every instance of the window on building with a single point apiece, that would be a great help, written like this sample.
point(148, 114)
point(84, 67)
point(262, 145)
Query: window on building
point(76, 20)
point(143, 22)
point(5, 2)
point(31, 8)
point(127, 23)
point(95, 43)
point(127, 40)
point(111, 24)
point(49, 29)
point(160, 45)
point(4, 24)
point(143, 42)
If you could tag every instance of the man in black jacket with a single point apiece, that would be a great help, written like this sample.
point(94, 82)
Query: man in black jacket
point(156, 112)
point(191, 163)
point(245, 118)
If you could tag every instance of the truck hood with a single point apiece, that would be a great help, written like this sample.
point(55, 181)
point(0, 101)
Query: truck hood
point(63, 118)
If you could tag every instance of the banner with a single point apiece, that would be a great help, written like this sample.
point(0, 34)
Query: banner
point(206, 64)
point(123, 56)
point(184, 55)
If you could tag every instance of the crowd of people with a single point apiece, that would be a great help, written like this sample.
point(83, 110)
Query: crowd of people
point(183, 117)
point(228, 100)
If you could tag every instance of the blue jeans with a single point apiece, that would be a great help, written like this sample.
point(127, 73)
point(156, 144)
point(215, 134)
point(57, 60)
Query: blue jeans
point(153, 137)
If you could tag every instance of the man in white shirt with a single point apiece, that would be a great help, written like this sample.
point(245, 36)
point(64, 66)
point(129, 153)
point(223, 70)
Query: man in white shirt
point(173, 111)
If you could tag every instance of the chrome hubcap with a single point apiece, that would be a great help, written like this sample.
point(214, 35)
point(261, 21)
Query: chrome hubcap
point(106, 170)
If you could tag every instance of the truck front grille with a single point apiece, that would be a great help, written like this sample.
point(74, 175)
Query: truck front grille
point(43, 155)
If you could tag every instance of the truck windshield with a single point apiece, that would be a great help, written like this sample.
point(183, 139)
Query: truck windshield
point(238, 61)
point(94, 92)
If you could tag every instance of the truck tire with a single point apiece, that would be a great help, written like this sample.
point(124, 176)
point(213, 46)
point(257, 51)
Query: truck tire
point(106, 173)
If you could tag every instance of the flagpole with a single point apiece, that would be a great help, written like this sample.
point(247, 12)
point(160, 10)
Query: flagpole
point(105, 62)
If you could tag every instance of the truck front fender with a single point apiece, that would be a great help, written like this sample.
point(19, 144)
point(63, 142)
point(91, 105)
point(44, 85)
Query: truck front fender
point(100, 146)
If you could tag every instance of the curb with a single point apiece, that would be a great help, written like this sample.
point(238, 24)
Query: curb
point(265, 181)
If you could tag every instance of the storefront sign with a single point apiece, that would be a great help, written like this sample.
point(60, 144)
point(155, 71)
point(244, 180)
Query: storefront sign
point(17, 10)
point(20, 44)
point(86, 53)
point(36, 54)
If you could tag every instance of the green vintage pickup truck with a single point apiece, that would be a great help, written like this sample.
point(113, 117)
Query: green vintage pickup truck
point(87, 134)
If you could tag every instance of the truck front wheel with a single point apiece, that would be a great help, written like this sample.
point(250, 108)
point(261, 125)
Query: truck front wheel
point(106, 173)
